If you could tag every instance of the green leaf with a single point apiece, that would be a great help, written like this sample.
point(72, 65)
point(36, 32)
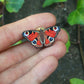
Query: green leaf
point(76, 81)
point(80, 4)
point(17, 43)
point(60, 0)
point(77, 16)
point(2, 1)
point(14, 5)
point(68, 44)
point(50, 2)
point(1, 16)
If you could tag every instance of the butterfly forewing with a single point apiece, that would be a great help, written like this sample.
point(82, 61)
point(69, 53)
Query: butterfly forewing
point(34, 37)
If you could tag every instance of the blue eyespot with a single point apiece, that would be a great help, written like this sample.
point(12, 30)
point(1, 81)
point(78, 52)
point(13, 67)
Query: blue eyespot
point(34, 42)
point(58, 28)
point(23, 34)
point(51, 39)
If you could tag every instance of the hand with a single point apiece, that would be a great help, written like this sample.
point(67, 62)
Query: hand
point(24, 64)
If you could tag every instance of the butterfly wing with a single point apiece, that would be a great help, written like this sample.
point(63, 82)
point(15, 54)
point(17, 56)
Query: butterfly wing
point(34, 37)
point(50, 34)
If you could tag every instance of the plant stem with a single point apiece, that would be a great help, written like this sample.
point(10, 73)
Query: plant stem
point(75, 43)
point(81, 50)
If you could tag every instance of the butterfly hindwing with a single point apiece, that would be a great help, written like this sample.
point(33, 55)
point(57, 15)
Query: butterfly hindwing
point(50, 34)
point(34, 37)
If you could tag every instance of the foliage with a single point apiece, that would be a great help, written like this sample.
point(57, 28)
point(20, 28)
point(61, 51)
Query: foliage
point(68, 44)
point(50, 2)
point(77, 16)
point(76, 81)
point(13, 5)
point(17, 43)
point(2, 1)
point(1, 16)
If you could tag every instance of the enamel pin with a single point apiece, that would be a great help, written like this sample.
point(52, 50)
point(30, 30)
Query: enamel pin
point(42, 37)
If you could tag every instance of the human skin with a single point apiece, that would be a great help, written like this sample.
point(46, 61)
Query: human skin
point(24, 64)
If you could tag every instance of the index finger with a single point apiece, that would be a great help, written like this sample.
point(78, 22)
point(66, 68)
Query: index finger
point(11, 33)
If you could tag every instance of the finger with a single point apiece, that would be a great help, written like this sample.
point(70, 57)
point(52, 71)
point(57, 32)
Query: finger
point(23, 51)
point(11, 33)
point(62, 36)
point(58, 50)
point(15, 55)
point(40, 72)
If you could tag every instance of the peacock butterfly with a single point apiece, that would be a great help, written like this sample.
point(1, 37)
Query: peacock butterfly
point(43, 37)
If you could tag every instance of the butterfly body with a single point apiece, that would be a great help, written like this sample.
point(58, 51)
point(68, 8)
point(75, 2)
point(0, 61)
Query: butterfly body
point(41, 38)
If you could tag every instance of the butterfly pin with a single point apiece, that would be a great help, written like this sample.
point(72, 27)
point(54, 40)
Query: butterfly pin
point(43, 37)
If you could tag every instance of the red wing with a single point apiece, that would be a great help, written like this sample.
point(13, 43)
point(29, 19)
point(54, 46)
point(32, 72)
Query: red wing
point(50, 34)
point(33, 37)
